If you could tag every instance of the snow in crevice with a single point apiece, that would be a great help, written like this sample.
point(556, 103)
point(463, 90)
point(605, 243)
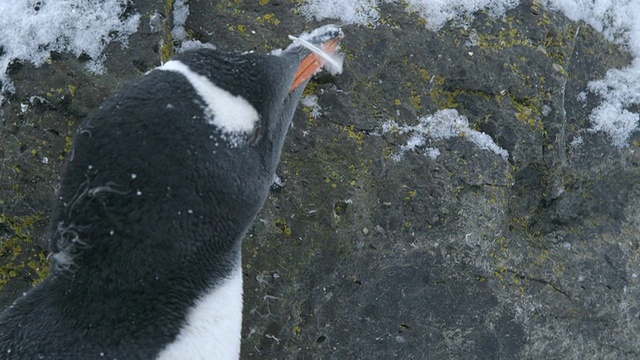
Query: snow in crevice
point(441, 125)
point(311, 102)
point(180, 15)
point(348, 12)
point(179, 32)
point(436, 12)
point(619, 91)
point(31, 29)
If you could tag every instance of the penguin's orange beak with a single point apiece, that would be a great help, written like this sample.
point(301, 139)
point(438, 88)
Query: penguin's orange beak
point(312, 63)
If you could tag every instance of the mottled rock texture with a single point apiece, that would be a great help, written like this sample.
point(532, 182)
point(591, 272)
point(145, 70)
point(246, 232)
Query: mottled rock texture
point(359, 256)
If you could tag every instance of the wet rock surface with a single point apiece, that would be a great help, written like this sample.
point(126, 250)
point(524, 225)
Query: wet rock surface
point(356, 255)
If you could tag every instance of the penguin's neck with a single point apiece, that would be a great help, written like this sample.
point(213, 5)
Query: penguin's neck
point(212, 328)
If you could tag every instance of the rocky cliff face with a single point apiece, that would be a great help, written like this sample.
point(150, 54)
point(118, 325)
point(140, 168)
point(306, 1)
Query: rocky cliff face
point(369, 247)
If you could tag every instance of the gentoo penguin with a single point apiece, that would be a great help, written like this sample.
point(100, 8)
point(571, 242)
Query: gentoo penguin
point(163, 182)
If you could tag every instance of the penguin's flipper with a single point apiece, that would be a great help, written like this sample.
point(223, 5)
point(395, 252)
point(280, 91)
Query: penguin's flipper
point(323, 45)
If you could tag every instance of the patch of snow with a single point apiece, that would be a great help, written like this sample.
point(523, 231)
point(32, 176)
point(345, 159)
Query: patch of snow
point(96, 66)
point(438, 12)
point(194, 44)
point(433, 153)
point(435, 12)
point(614, 120)
point(582, 96)
point(155, 22)
point(620, 89)
point(615, 19)
point(443, 124)
point(474, 39)
point(32, 29)
point(277, 182)
point(311, 101)
point(576, 142)
point(359, 12)
point(179, 31)
point(180, 15)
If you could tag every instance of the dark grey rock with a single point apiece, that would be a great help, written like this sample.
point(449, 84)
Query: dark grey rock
point(358, 256)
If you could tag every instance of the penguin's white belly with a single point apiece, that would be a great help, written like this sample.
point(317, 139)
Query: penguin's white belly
point(213, 326)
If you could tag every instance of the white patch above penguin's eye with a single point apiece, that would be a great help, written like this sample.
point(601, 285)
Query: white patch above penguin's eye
point(231, 114)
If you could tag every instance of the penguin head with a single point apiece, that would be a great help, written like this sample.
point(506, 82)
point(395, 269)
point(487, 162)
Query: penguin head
point(262, 91)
